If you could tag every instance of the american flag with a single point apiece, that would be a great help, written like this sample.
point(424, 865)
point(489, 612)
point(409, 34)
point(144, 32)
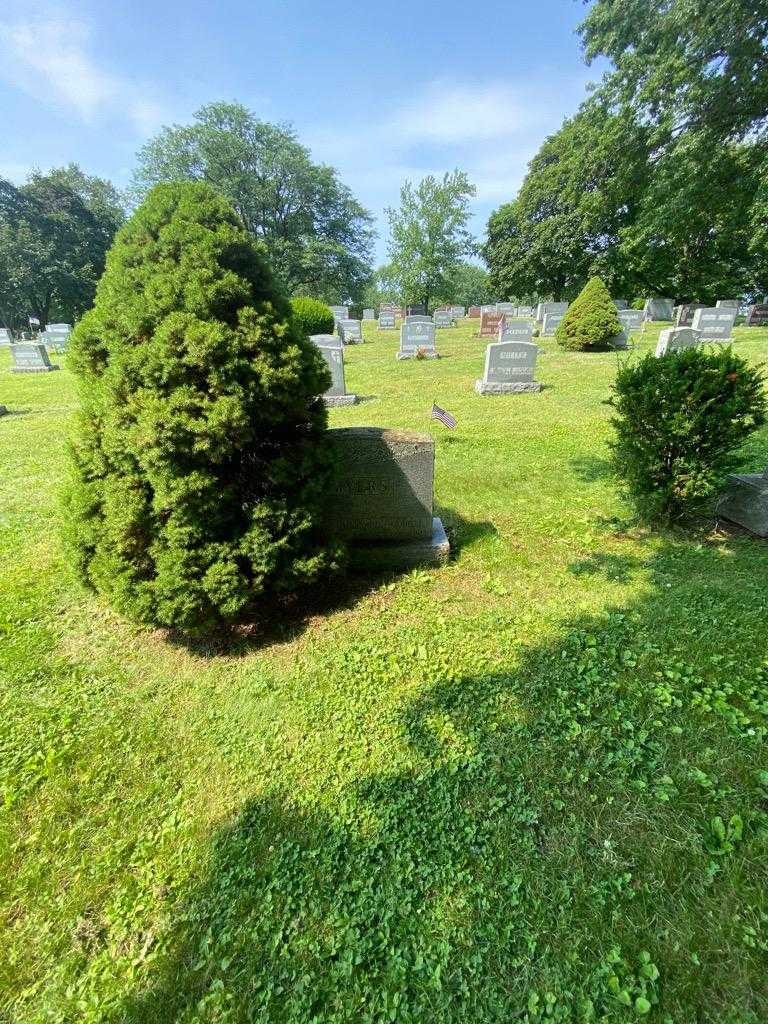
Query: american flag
point(445, 417)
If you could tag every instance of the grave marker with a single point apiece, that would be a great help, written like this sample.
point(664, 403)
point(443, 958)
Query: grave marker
point(386, 321)
point(443, 318)
point(728, 304)
point(6, 338)
point(714, 324)
point(457, 312)
point(509, 369)
point(326, 340)
point(550, 307)
point(474, 312)
point(340, 313)
point(658, 309)
point(490, 323)
point(368, 314)
point(620, 303)
point(29, 357)
point(757, 315)
point(675, 339)
point(350, 331)
point(417, 339)
point(525, 311)
point(551, 320)
point(337, 393)
point(684, 313)
point(516, 330)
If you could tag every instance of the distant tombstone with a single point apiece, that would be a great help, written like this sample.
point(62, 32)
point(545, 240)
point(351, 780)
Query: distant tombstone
point(675, 339)
point(506, 307)
point(30, 358)
point(620, 303)
point(658, 309)
point(337, 393)
point(549, 326)
point(714, 324)
point(60, 328)
point(417, 309)
point(509, 368)
point(6, 338)
point(326, 340)
point(386, 321)
point(340, 313)
point(368, 314)
point(525, 311)
point(417, 339)
point(474, 312)
point(489, 307)
point(381, 503)
point(457, 312)
point(684, 313)
point(631, 319)
point(56, 341)
point(550, 307)
point(516, 330)
point(349, 331)
point(417, 318)
point(728, 304)
point(443, 318)
point(490, 323)
point(757, 315)
point(390, 307)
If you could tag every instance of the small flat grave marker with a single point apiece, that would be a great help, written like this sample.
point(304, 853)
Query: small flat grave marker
point(509, 369)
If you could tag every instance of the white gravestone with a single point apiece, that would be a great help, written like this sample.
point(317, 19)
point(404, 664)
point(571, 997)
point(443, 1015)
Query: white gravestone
point(30, 358)
point(728, 304)
point(516, 330)
point(675, 339)
point(350, 331)
point(551, 320)
point(337, 393)
point(340, 313)
point(509, 369)
point(6, 338)
point(443, 318)
point(386, 321)
point(326, 340)
point(525, 311)
point(457, 312)
point(417, 340)
point(714, 324)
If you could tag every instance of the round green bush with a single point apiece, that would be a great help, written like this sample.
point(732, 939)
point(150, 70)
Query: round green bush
point(591, 321)
point(312, 316)
point(199, 458)
point(679, 420)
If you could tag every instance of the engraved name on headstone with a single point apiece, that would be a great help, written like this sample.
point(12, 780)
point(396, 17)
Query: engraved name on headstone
point(509, 369)
point(29, 357)
point(386, 321)
point(714, 324)
point(417, 339)
point(516, 330)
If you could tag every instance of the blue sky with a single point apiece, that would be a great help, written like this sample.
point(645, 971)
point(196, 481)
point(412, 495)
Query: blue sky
point(383, 92)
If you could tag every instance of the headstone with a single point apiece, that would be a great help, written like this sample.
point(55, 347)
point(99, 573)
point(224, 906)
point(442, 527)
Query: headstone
point(443, 318)
point(551, 320)
point(474, 312)
point(757, 315)
point(457, 312)
point(340, 313)
point(658, 309)
point(684, 313)
point(728, 304)
point(489, 307)
point(337, 392)
point(620, 303)
point(714, 324)
point(506, 307)
point(30, 358)
point(417, 340)
point(516, 330)
point(56, 341)
point(386, 321)
point(490, 323)
point(326, 340)
point(509, 369)
point(6, 338)
point(381, 504)
point(675, 339)
point(550, 307)
point(631, 319)
point(368, 314)
point(391, 307)
point(746, 502)
point(350, 331)
point(417, 309)
point(60, 328)
point(417, 318)
point(525, 311)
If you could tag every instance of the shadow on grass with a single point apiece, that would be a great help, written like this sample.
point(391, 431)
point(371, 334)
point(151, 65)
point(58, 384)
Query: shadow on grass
point(591, 468)
point(537, 830)
point(463, 533)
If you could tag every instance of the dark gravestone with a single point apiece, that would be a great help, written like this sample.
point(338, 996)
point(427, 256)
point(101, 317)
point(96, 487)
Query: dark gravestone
point(757, 315)
point(509, 369)
point(381, 503)
point(474, 312)
point(658, 309)
point(684, 314)
point(418, 309)
point(490, 323)
point(30, 358)
point(620, 303)
point(337, 393)
point(746, 502)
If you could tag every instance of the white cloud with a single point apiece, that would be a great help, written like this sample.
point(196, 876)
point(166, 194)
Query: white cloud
point(49, 57)
point(454, 113)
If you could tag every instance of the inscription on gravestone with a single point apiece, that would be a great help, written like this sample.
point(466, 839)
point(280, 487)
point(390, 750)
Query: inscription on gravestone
point(516, 330)
point(714, 324)
point(551, 320)
point(30, 358)
point(509, 369)
point(490, 323)
point(386, 321)
point(675, 339)
point(757, 315)
point(417, 339)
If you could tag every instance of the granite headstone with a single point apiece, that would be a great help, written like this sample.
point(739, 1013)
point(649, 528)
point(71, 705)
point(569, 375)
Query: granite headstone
point(509, 369)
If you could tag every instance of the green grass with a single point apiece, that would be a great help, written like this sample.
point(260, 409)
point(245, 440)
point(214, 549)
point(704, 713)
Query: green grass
point(531, 786)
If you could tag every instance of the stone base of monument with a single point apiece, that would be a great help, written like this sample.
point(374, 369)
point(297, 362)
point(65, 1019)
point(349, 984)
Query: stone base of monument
point(3, 410)
point(403, 554)
point(520, 388)
point(746, 502)
point(381, 503)
point(34, 369)
point(413, 355)
point(334, 401)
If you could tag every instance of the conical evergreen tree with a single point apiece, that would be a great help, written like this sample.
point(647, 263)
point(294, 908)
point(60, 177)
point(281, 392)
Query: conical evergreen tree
point(591, 321)
point(199, 458)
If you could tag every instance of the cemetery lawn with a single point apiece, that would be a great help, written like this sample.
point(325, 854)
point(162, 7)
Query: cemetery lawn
point(530, 786)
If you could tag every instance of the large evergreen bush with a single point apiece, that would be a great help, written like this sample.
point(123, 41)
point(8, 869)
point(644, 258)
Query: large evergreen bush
point(312, 316)
point(679, 421)
point(591, 321)
point(199, 459)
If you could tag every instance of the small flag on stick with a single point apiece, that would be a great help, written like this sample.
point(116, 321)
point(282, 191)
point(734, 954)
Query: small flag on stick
point(445, 417)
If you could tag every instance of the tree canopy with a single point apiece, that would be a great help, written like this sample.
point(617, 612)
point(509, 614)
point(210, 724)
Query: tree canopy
point(429, 236)
point(318, 238)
